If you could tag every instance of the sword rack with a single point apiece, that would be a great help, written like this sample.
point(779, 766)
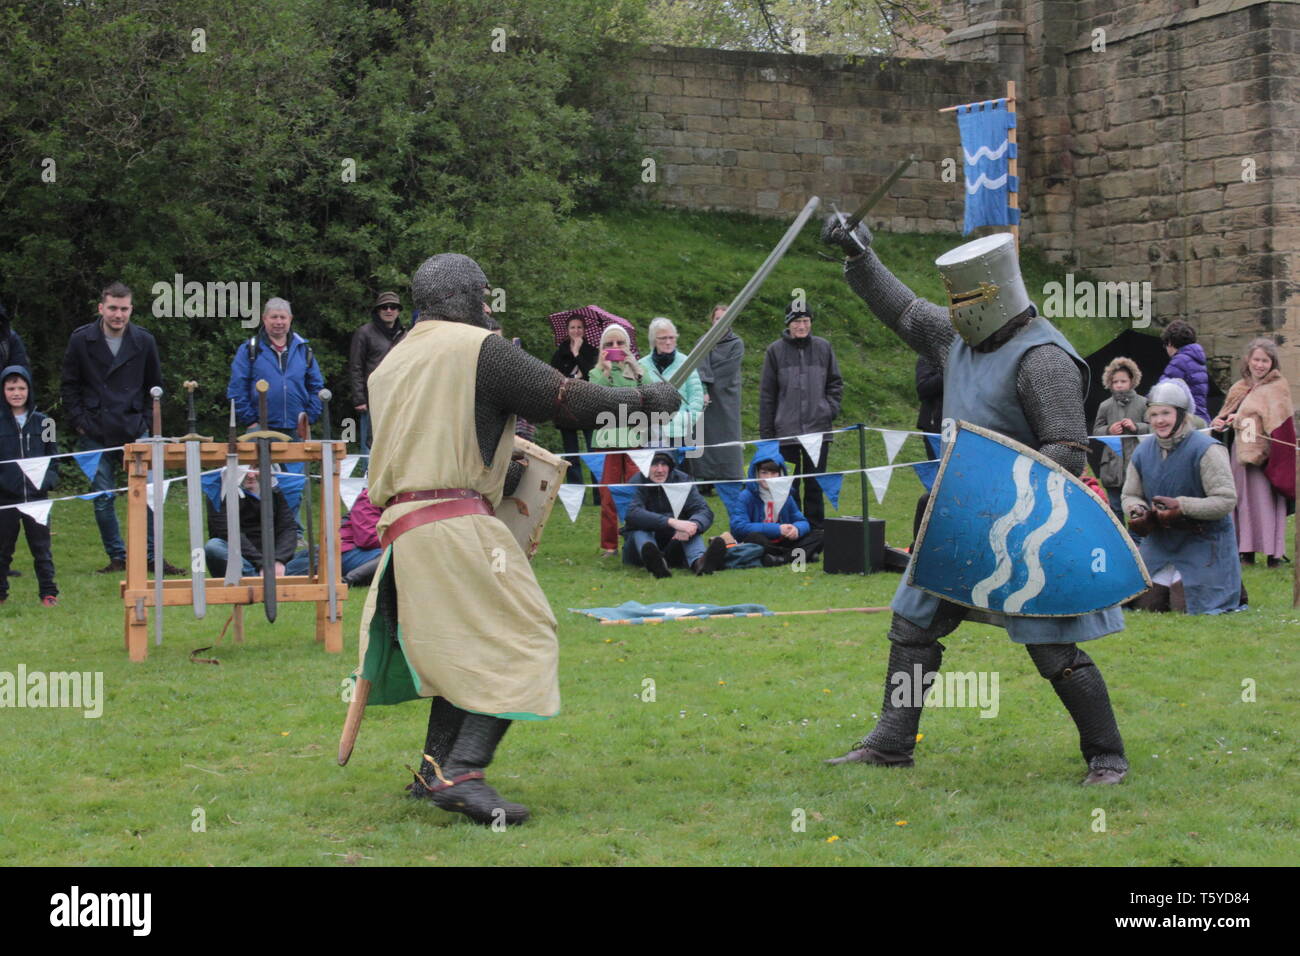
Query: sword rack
point(138, 590)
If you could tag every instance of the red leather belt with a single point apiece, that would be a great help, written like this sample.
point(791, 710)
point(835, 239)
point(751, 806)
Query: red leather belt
point(431, 495)
point(437, 511)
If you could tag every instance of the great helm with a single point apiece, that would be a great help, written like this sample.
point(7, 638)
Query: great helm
point(985, 290)
point(1172, 392)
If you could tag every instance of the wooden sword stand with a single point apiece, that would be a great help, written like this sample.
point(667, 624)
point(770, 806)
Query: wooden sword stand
point(138, 593)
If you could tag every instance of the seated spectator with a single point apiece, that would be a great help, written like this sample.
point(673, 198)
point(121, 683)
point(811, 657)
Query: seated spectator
point(23, 435)
point(250, 532)
point(756, 519)
point(653, 538)
point(1179, 496)
point(357, 539)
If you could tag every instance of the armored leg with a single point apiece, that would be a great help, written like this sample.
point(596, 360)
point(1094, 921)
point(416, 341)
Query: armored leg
point(1078, 682)
point(914, 657)
point(445, 720)
point(462, 788)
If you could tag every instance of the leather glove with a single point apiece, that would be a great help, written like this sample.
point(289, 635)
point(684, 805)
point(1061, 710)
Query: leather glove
point(833, 234)
point(661, 397)
point(1167, 510)
point(1140, 521)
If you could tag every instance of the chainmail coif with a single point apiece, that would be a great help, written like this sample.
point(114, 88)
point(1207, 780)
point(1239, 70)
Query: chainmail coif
point(450, 286)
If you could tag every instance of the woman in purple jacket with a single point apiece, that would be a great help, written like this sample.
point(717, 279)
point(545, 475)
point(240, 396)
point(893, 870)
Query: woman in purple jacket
point(1187, 361)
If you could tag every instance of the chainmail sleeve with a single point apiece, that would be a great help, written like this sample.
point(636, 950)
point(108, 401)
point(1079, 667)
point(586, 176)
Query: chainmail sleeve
point(1051, 394)
point(924, 326)
point(512, 382)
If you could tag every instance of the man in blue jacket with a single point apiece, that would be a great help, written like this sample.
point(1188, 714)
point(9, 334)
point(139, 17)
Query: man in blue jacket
point(759, 516)
point(285, 360)
point(653, 537)
point(23, 434)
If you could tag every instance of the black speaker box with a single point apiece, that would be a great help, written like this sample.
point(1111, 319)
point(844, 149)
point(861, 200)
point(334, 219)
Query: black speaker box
point(843, 551)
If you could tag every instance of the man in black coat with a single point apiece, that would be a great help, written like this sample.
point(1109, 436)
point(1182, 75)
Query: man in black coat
point(654, 537)
point(108, 370)
point(370, 344)
point(251, 545)
point(12, 350)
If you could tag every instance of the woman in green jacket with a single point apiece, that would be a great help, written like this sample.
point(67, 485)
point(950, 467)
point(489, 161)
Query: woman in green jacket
point(659, 366)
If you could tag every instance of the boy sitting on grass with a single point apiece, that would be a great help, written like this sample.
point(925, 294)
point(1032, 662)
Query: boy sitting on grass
point(23, 434)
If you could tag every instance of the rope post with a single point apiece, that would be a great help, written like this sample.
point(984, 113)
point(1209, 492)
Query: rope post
point(862, 484)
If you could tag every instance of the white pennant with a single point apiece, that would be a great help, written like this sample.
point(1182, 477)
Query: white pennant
point(350, 490)
point(572, 496)
point(677, 493)
point(893, 442)
point(40, 510)
point(148, 491)
point(812, 444)
point(879, 478)
point(642, 457)
point(34, 469)
point(780, 488)
point(347, 466)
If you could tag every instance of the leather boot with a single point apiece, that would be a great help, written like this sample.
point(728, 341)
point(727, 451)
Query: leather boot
point(466, 791)
point(653, 559)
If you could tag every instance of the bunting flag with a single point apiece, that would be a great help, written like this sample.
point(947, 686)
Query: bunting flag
point(642, 457)
point(350, 490)
point(347, 466)
point(290, 485)
point(622, 495)
point(729, 492)
point(988, 148)
point(35, 469)
point(879, 479)
point(572, 496)
point(831, 486)
point(148, 491)
point(1114, 443)
point(88, 462)
point(780, 489)
point(926, 471)
point(812, 444)
point(677, 492)
point(38, 510)
point(893, 442)
point(596, 464)
point(769, 449)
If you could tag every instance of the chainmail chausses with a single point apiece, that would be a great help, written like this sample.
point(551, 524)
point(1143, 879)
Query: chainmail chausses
point(450, 286)
point(1047, 381)
point(1084, 695)
point(512, 382)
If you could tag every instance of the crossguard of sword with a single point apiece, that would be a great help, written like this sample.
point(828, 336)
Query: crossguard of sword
point(843, 220)
point(194, 437)
point(273, 436)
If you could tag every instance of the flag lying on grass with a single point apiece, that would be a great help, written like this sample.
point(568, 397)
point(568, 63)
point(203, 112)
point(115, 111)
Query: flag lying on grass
point(634, 612)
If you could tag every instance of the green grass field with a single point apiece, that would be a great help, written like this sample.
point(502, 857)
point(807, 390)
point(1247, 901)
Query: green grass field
point(717, 770)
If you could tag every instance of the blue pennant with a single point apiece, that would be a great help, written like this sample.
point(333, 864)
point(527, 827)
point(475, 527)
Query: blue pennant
point(597, 465)
point(88, 462)
point(831, 486)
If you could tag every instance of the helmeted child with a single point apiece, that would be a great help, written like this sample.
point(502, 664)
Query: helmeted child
point(765, 513)
point(25, 433)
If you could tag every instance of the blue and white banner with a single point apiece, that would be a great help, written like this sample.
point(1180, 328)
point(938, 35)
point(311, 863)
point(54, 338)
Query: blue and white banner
point(988, 147)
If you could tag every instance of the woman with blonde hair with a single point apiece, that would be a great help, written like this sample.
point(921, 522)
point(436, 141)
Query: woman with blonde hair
point(616, 366)
point(1260, 410)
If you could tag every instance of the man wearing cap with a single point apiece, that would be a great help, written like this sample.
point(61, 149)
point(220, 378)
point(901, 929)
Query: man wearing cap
point(455, 613)
point(1012, 372)
point(656, 534)
point(370, 344)
point(800, 394)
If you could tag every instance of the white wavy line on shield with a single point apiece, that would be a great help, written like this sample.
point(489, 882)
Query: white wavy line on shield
point(1034, 543)
point(979, 594)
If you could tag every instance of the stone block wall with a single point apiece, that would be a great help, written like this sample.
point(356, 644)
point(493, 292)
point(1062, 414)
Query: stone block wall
point(761, 133)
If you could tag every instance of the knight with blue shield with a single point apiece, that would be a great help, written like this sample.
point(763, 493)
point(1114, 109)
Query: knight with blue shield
point(1008, 370)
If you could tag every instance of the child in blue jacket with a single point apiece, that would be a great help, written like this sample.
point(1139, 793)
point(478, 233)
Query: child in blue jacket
point(782, 531)
point(24, 433)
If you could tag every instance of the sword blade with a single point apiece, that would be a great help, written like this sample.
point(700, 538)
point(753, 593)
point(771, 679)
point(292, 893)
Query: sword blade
point(159, 489)
point(720, 328)
point(235, 541)
point(329, 525)
point(878, 195)
point(194, 500)
point(268, 527)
